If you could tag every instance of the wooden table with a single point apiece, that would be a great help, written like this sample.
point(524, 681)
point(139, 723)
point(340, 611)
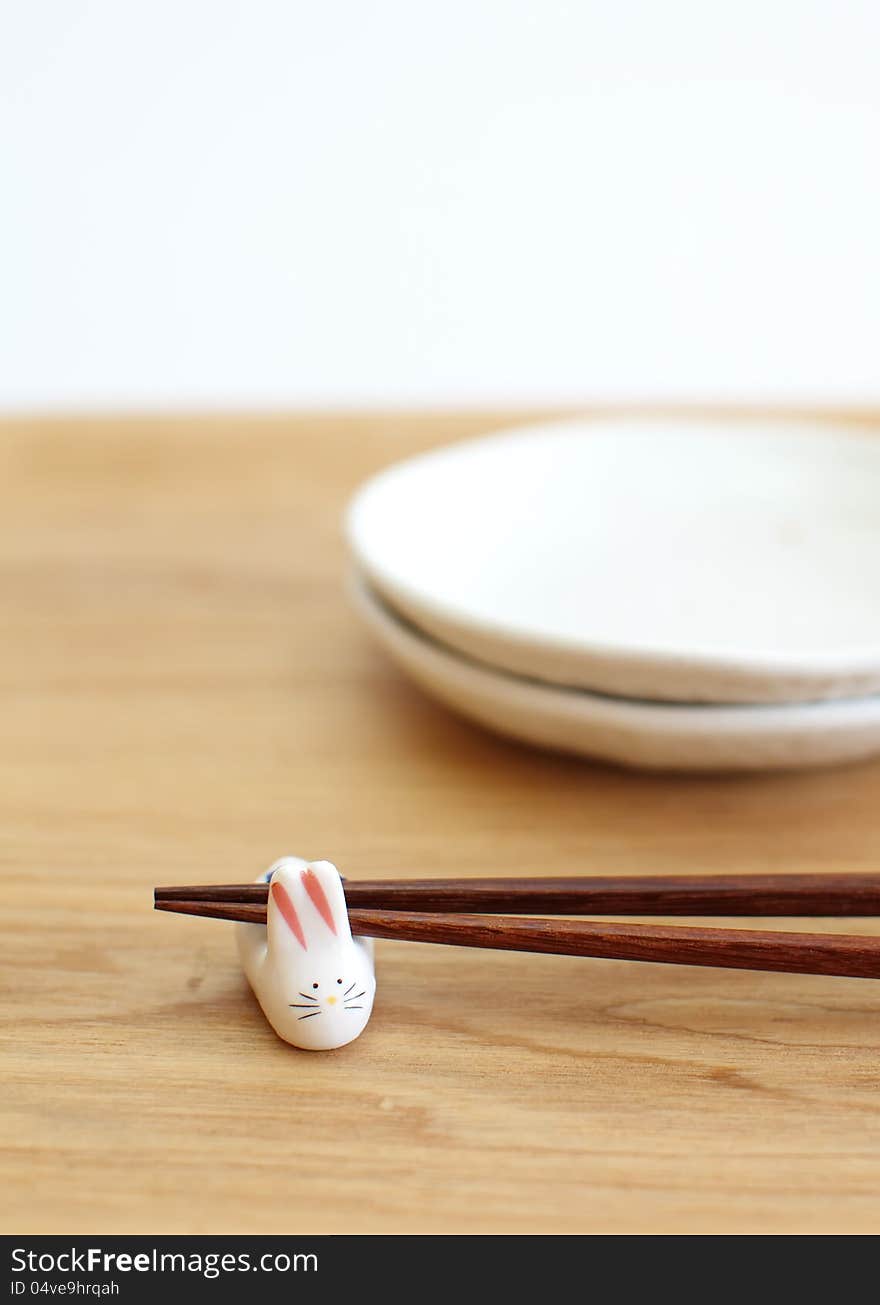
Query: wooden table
point(185, 696)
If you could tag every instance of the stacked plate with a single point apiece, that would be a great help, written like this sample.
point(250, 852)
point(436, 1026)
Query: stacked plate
point(680, 594)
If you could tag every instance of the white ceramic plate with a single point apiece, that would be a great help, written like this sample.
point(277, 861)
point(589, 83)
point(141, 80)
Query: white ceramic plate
point(683, 560)
point(649, 734)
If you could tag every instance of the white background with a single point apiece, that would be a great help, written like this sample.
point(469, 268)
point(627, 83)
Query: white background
point(272, 202)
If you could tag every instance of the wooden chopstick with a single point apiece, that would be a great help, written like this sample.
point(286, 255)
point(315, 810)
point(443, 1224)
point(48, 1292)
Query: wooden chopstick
point(739, 949)
point(791, 895)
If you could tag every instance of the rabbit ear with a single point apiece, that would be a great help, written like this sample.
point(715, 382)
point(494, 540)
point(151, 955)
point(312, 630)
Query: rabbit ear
point(287, 910)
point(323, 887)
point(285, 907)
point(306, 911)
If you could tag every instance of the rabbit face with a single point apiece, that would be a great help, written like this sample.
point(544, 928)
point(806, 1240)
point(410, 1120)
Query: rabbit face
point(332, 1004)
point(314, 981)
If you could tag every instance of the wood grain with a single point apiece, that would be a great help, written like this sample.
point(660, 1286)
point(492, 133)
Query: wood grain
point(185, 697)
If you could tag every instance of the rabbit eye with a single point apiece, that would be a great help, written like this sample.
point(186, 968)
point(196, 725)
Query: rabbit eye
point(314, 985)
point(338, 980)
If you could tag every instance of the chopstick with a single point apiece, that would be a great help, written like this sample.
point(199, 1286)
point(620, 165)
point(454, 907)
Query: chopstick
point(739, 949)
point(754, 895)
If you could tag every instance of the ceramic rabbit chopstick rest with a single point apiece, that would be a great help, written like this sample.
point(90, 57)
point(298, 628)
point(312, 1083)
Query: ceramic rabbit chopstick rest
point(314, 981)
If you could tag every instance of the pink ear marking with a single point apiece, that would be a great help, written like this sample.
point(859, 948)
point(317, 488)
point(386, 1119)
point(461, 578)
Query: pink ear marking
point(319, 897)
point(288, 910)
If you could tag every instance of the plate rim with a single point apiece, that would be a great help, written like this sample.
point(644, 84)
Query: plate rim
point(847, 729)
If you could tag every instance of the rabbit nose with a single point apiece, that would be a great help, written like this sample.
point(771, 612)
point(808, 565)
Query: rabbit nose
point(331, 1001)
